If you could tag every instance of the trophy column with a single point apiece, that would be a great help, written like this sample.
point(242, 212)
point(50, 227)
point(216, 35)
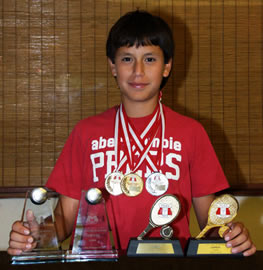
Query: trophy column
point(38, 216)
point(92, 238)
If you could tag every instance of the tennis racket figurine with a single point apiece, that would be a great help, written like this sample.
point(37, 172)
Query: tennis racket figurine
point(222, 211)
point(163, 212)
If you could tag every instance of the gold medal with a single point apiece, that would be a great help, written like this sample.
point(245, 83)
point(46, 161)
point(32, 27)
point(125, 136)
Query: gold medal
point(113, 183)
point(132, 184)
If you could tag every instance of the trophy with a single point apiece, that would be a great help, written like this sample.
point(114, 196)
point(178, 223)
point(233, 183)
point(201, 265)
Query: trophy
point(222, 211)
point(38, 216)
point(163, 212)
point(92, 238)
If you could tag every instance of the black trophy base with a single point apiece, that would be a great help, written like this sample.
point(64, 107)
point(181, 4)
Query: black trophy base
point(209, 247)
point(154, 248)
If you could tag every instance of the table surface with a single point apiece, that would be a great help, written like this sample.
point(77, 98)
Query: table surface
point(152, 263)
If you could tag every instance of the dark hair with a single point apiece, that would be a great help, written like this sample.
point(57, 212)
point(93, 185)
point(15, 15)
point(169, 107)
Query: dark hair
point(140, 28)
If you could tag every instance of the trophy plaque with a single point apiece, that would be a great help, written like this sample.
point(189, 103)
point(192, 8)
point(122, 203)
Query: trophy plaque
point(92, 238)
point(163, 212)
point(38, 216)
point(222, 211)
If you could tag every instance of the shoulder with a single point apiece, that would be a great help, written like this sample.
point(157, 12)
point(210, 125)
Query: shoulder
point(98, 121)
point(178, 121)
point(94, 126)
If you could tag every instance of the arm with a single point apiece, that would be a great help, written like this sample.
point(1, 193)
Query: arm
point(201, 206)
point(237, 237)
point(22, 235)
point(65, 214)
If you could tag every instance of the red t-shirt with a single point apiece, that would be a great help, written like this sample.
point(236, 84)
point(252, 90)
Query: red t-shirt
point(190, 165)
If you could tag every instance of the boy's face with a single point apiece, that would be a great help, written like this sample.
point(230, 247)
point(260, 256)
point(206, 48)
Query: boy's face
point(139, 72)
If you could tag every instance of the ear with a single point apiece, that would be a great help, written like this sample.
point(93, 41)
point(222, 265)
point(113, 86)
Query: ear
point(112, 67)
point(167, 68)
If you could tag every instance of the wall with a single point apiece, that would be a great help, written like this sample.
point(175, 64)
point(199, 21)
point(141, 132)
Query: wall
point(54, 72)
point(250, 213)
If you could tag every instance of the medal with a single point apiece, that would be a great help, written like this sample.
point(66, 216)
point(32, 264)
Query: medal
point(113, 180)
point(113, 183)
point(136, 144)
point(132, 184)
point(157, 184)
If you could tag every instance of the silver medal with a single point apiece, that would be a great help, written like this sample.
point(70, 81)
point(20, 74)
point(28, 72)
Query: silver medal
point(157, 184)
point(113, 183)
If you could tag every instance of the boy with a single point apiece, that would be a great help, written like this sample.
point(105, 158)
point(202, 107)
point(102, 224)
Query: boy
point(151, 148)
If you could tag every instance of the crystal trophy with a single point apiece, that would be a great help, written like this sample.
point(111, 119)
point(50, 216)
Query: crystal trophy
point(38, 216)
point(163, 212)
point(92, 238)
point(222, 211)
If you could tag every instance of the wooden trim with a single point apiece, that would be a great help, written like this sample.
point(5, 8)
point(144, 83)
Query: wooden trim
point(245, 190)
point(19, 192)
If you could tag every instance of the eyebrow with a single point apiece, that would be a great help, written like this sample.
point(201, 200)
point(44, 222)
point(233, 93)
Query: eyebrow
point(130, 54)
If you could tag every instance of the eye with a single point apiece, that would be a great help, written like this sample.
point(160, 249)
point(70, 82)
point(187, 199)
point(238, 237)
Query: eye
point(126, 59)
point(150, 59)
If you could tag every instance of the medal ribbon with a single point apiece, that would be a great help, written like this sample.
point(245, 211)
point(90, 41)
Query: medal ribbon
point(117, 143)
point(140, 143)
point(128, 131)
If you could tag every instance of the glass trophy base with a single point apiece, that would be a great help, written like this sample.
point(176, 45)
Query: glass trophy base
point(64, 256)
point(209, 247)
point(154, 247)
point(38, 257)
point(92, 255)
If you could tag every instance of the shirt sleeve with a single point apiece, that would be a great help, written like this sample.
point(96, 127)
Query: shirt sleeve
point(206, 173)
point(66, 177)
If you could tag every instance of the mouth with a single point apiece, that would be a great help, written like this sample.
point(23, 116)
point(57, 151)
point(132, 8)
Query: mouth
point(138, 85)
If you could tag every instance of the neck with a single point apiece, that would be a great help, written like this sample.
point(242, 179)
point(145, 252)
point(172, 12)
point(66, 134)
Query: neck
point(139, 109)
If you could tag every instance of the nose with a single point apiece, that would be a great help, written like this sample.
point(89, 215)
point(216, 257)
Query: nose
point(138, 68)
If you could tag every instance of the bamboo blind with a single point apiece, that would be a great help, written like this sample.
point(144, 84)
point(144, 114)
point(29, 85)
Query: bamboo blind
point(54, 73)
